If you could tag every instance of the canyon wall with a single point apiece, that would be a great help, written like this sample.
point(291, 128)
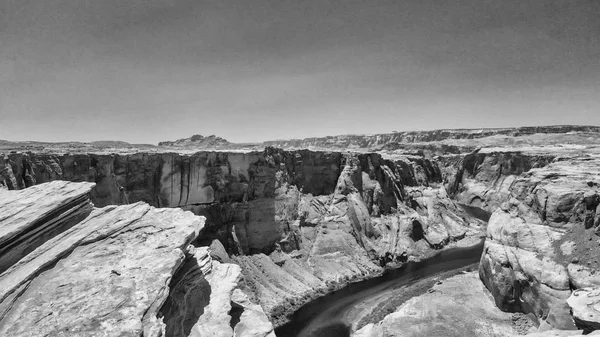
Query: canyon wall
point(303, 223)
point(299, 223)
point(261, 192)
point(483, 178)
point(542, 238)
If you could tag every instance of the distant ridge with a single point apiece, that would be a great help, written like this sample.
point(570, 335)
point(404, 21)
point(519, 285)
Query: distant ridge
point(433, 141)
point(409, 137)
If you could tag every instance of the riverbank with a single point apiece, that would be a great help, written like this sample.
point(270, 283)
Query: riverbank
point(335, 314)
point(457, 306)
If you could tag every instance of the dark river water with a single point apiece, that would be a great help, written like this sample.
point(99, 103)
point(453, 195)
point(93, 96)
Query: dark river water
point(333, 314)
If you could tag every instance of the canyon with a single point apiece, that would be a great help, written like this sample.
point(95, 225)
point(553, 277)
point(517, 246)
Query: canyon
point(233, 241)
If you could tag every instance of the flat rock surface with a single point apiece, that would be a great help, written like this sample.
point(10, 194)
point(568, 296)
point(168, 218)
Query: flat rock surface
point(106, 276)
point(459, 306)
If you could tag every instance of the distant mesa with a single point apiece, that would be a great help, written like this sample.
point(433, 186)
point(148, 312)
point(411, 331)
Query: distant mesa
point(197, 141)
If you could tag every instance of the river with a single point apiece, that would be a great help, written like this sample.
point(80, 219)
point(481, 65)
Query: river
point(334, 314)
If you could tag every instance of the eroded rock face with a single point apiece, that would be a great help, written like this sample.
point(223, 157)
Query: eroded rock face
point(252, 319)
point(122, 271)
point(369, 221)
point(316, 220)
point(252, 200)
point(32, 216)
point(541, 244)
point(205, 301)
point(107, 275)
point(484, 178)
point(7, 176)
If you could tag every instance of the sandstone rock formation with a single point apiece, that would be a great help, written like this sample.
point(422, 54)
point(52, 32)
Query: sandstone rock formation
point(32, 216)
point(111, 273)
point(315, 219)
point(540, 244)
point(483, 178)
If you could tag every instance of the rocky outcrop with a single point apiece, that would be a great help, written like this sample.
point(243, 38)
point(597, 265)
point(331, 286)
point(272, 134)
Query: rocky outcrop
point(7, 176)
point(33, 216)
point(107, 275)
point(540, 244)
point(252, 319)
point(484, 178)
point(125, 270)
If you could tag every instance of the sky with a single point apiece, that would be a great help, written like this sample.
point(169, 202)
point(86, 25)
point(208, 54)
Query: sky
point(145, 71)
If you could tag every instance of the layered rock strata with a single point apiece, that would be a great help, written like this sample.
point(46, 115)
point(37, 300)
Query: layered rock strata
point(114, 273)
point(543, 238)
point(32, 216)
point(300, 223)
point(541, 243)
point(483, 178)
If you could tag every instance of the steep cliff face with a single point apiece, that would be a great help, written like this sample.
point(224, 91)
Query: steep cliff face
point(258, 193)
point(543, 237)
point(483, 178)
point(315, 220)
point(541, 243)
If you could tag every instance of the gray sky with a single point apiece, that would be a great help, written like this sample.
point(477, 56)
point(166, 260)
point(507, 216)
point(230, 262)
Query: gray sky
point(253, 70)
